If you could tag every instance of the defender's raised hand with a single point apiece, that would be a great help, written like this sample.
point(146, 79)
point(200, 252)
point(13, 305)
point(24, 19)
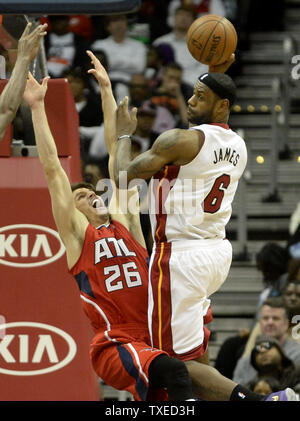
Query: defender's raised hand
point(35, 92)
point(99, 71)
point(126, 121)
point(29, 42)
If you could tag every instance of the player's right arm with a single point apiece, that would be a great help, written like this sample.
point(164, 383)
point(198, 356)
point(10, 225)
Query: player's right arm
point(71, 223)
point(131, 217)
point(12, 94)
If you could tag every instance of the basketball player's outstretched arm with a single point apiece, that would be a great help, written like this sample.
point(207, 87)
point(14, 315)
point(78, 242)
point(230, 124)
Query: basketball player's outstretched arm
point(174, 146)
point(12, 94)
point(109, 107)
point(71, 223)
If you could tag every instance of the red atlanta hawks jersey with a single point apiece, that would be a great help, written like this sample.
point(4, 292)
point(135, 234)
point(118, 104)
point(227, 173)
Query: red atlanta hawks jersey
point(112, 275)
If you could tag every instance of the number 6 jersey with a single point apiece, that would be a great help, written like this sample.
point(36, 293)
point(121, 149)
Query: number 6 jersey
point(112, 275)
point(193, 201)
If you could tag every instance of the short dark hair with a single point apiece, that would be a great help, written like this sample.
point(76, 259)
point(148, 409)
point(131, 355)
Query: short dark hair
point(226, 83)
point(271, 381)
point(276, 302)
point(83, 185)
point(110, 18)
point(273, 257)
point(76, 73)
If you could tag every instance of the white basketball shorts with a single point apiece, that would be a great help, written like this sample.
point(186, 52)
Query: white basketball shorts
point(182, 275)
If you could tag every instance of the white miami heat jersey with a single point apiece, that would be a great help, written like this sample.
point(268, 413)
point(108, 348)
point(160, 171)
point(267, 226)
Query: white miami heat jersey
point(193, 201)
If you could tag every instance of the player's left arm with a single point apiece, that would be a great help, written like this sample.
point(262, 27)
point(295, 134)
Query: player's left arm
point(123, 207)
point(13, 92)
point(173, 147)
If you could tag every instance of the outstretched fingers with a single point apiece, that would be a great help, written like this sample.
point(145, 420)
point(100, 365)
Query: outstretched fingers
point(123, 107)
point(27, 29)
point(134, 114)
point(39, 31)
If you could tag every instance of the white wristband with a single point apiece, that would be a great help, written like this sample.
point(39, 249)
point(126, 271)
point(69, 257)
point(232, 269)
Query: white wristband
point(123, 137)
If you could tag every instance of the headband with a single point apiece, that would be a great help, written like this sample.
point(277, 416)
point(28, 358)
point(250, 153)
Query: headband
point(217, 88)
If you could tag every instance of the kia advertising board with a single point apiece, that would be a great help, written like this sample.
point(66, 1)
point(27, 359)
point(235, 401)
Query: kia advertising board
point(44, 333)
point(34, 348)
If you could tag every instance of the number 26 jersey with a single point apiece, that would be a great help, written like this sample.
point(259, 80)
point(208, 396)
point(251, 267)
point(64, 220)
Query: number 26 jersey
point(112, 275)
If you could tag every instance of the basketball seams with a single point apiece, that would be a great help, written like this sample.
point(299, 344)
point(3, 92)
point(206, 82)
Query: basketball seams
point(231, 27)
point(211, 33)
point(225, 36)
point(203, 31)
point(199, 26)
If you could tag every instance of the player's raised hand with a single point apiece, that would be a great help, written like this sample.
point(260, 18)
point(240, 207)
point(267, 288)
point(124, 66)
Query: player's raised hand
point(35, 92)
point(221, 68)
point(126, 121)
point(29, 42)
point(98, 71)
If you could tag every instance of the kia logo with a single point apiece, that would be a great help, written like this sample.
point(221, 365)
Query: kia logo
point(27, 245)
point(31, 349)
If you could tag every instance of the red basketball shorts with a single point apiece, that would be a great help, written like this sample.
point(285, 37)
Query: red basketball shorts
point(125, 367)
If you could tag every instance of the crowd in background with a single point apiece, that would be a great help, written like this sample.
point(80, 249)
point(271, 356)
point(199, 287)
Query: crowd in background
point(146, 56)
point(147, 59)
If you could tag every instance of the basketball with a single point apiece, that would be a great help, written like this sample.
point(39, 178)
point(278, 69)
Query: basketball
point(211, 39)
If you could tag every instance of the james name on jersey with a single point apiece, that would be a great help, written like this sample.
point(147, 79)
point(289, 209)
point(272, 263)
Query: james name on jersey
point(226, 155)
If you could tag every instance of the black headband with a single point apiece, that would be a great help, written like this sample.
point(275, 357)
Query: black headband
point(216, 87)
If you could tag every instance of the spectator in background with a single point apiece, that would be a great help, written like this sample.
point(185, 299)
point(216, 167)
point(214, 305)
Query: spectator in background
point(272, 261)
point(64, 48)
point(291, 299)
point(139, 92)
point(192, 69)
point(87, 103)
point(173, 94)
point(154, 13)
point(274, 322)
point(82, 25)
point(94, 170)
point(125, 56)
point(144, 135)
point(200, 7)
point(294, 270)
point(264, 385)
point(157, 58)
point(88, 106)
point(230, 352)
point(139, 89)
point(293, 244)
point(269, 359)
point(79, 24)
